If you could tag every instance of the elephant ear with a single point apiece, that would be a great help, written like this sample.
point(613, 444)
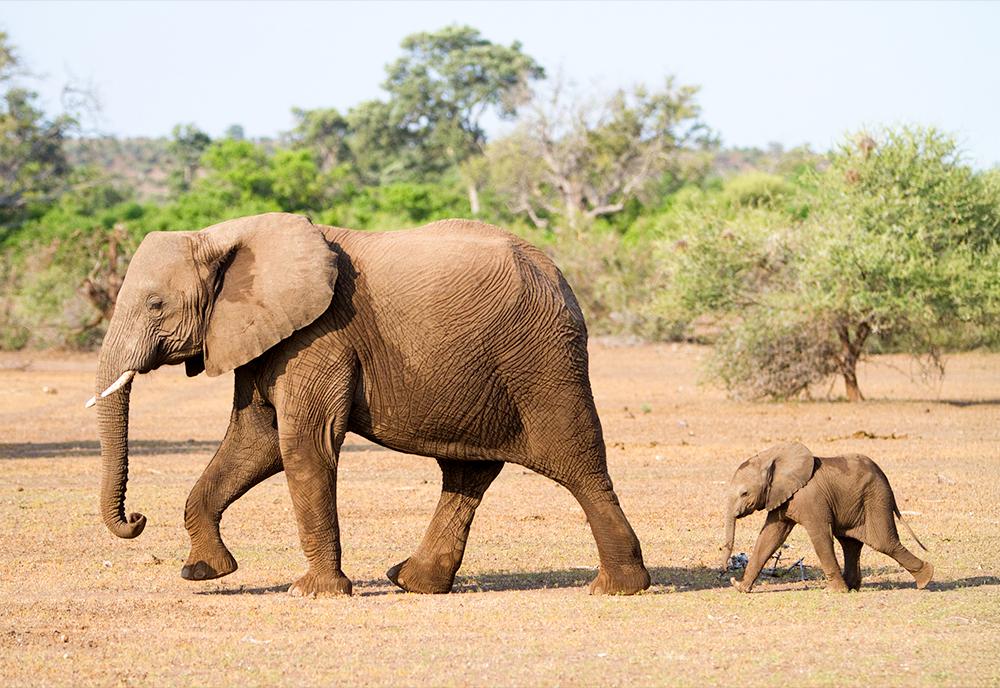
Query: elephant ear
point(273, 274)
point(787, 468)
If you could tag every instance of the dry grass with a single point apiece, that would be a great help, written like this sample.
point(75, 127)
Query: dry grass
point(79, 607)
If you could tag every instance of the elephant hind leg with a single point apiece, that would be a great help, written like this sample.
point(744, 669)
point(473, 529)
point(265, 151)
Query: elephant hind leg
point(884, 538)
point(922, 571)
point(852, 561)
point(622, 571)
point(432, 568)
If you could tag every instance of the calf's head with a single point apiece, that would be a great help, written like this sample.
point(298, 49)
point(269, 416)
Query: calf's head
point(765, 481)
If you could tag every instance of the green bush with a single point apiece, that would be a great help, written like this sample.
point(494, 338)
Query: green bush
point(900, 246)
point(757, 190)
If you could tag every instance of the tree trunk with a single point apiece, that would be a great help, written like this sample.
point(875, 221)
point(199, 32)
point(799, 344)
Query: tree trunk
point(852, 350)
point(102, 285)
point(851, 384)
point(474, 199)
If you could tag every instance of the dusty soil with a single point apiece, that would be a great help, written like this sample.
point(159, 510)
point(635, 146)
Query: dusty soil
point(79, 607)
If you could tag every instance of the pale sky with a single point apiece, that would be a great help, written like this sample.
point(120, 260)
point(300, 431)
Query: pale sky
point(788, 72)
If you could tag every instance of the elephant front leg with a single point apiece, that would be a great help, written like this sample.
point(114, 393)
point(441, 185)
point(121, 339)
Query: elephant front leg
point(311, 470)
point(772, 535)
point(822, 541)
point(248, 455)
point(432, 568)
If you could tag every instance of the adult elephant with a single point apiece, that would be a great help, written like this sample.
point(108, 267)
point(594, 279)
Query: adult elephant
point(456, 341)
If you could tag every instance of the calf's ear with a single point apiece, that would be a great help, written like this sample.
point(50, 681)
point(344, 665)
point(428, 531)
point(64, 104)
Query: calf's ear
point(787, 467)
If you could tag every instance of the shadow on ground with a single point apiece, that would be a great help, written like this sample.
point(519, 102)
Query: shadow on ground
point(816, 578)
point(49, 450)
point(665, 580)
point(243, 590)
point(935, 586)
point(962, 403)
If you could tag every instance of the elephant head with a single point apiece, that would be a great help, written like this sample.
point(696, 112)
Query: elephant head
point(213, 300)
point(765, 481)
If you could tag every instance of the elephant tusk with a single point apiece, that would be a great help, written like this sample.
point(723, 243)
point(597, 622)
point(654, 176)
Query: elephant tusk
point(123, 380)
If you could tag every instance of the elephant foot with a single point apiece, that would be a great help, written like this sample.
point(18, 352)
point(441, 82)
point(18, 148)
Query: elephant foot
point(837, 586)
point(740, 587)
point(199, 567)
point(624, 581)
point(923, 575)
point(411, 577)
point(314, 585)
point(853, 584)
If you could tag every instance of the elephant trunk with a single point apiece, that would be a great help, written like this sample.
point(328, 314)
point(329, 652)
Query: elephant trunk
point(727, 545)
point(112, 423)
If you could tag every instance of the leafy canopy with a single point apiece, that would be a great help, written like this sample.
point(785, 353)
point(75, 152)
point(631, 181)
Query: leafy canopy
point(445, 83)
point(896, 243)
point(33, 165)
point(439, 93)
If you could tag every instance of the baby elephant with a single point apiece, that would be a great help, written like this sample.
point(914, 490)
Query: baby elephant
point(847, 497)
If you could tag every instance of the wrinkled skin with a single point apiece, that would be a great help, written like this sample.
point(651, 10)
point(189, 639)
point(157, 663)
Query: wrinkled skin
point(843, 497)
point(456, 341)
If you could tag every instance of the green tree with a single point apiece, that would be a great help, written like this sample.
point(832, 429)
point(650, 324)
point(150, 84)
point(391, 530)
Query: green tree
point(443, 86)
point(439, 92)
point(910, 237)
point(242, 178)
point(323, 131)
point(187, 144)
point(382, 152)
point(33, 165)
point(580, 159)
point(900, 246)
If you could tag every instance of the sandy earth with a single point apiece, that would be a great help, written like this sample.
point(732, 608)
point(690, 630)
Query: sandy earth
point(79, 607)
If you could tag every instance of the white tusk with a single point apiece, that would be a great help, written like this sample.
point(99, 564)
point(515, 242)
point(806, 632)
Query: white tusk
point(125, 378)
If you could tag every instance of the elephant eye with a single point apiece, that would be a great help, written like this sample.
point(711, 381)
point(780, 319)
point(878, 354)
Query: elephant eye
point(744, 493)
point(154, 303)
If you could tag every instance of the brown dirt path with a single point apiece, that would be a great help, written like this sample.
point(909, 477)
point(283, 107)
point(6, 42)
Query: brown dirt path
point(78, 607)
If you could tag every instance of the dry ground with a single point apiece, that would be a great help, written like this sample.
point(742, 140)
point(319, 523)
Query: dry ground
point(79, 607)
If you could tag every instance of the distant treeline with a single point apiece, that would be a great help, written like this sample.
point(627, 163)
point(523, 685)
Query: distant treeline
point(795, 264)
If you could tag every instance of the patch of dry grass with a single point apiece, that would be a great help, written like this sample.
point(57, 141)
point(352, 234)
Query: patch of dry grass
point(79, 607)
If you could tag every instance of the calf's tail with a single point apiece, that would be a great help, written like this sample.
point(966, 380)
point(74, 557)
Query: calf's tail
point(909, 530)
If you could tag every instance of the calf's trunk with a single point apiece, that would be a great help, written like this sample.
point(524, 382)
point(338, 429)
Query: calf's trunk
point(727, 546)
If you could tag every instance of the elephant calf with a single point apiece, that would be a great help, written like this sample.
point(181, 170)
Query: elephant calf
point(847, 497)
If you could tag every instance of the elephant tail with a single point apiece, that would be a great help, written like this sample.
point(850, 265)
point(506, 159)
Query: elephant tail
point(909, 530)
